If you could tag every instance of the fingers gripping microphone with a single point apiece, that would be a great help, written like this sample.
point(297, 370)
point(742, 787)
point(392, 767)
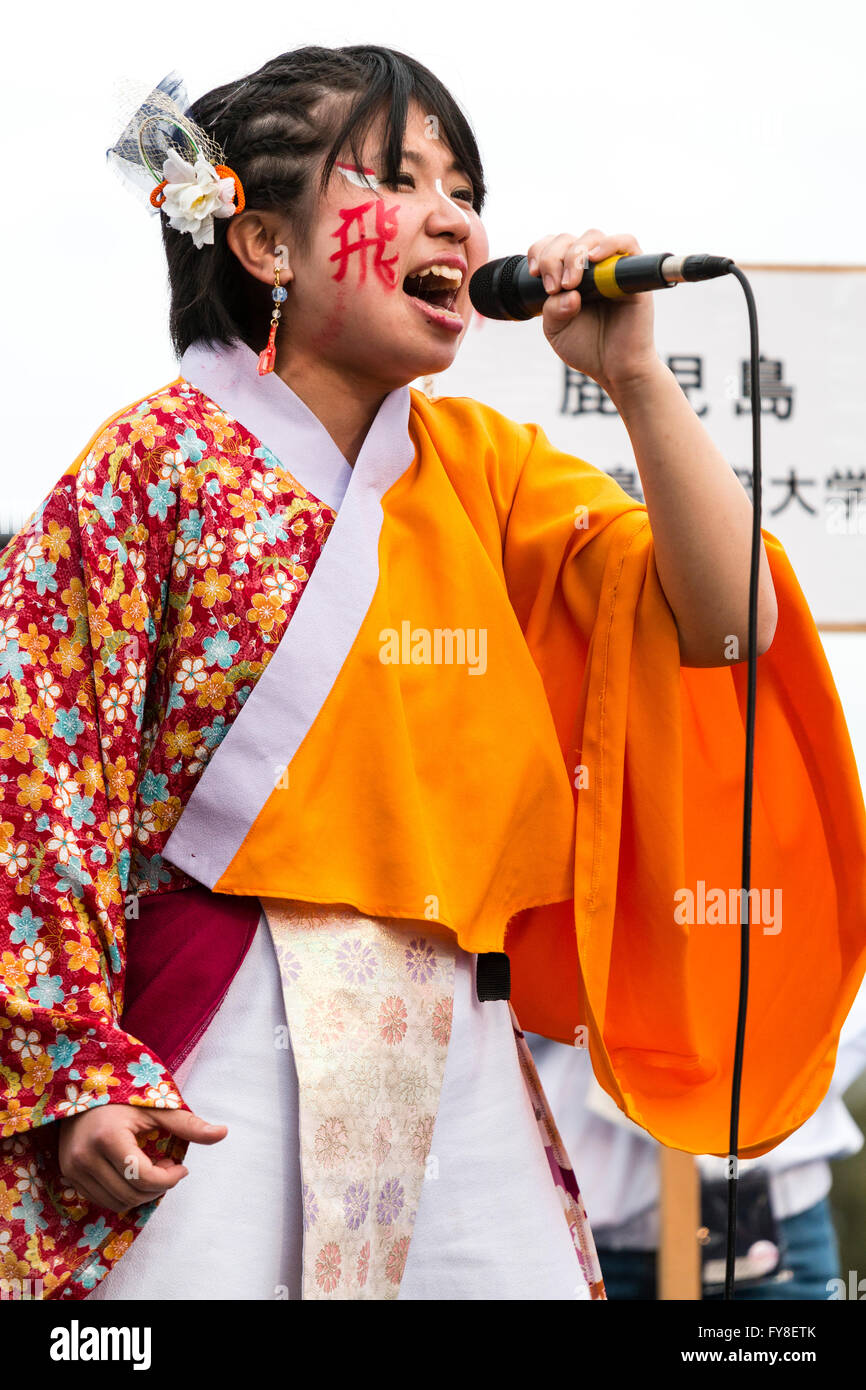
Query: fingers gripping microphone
point(504, 289)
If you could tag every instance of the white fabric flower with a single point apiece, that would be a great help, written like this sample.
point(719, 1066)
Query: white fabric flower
point(194, 196)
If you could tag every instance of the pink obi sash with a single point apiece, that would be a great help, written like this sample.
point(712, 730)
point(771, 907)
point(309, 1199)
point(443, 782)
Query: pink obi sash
point(183, 952)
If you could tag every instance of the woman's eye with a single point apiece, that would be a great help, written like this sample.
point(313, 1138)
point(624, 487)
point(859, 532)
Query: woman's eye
point(465, 194)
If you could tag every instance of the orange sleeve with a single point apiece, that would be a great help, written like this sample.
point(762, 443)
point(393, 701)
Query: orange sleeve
point(652, 934)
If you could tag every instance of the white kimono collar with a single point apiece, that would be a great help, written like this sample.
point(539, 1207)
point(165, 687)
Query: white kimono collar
point(289, 694)
point(279, 419)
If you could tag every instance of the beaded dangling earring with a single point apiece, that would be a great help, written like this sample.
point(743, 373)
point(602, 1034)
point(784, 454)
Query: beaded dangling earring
point(268, 355)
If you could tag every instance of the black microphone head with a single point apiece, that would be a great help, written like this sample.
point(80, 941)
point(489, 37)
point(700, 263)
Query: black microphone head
point(493, 290)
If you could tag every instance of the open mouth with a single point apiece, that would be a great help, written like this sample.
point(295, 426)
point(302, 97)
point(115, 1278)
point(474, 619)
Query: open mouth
point(436, 285)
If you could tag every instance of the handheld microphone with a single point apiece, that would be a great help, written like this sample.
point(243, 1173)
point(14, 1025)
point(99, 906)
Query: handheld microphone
point(504, 289)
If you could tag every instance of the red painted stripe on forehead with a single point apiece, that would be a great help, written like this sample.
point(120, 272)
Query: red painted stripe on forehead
point(354, 167)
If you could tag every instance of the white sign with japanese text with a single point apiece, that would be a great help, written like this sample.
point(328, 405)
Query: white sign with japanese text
point(812, 331)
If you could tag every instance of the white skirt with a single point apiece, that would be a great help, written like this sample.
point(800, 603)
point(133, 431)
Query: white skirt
point(490, 1226)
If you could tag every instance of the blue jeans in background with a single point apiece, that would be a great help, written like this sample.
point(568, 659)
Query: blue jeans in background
point(809, 1249)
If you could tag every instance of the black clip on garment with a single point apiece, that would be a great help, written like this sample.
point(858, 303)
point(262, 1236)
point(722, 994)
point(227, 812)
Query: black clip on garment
point(493, 975)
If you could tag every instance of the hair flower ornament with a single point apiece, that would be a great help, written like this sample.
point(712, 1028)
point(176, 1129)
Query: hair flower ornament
point(191, 196)
point(165, 158)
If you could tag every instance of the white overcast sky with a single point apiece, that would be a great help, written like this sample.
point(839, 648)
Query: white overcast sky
point(735, 128)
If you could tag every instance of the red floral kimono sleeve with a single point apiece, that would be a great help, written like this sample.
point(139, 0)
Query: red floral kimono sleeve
point(82, 590)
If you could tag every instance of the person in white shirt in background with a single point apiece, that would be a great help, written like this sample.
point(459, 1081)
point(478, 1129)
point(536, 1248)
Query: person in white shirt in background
point(619, 1168)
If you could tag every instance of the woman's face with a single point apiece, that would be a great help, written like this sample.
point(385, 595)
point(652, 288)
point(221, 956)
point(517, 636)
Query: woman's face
point(347, 300)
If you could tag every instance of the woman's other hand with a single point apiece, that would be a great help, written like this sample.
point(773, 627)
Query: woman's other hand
point(100, 1155)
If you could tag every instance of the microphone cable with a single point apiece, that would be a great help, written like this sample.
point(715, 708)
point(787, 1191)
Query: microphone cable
point(752, 672)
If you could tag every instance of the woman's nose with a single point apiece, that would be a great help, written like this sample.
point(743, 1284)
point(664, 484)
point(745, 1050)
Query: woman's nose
point(449, 212)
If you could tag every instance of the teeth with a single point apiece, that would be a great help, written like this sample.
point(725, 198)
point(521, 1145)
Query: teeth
point(447, 272)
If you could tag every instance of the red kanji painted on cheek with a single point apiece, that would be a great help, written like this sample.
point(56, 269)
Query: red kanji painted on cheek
point(386, 230)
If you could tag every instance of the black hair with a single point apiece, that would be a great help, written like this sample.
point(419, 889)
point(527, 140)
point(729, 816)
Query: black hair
point(273, 126)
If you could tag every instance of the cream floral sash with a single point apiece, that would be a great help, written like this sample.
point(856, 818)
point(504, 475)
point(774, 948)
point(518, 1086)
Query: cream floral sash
point(369, 1009)
point(369, 1004)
